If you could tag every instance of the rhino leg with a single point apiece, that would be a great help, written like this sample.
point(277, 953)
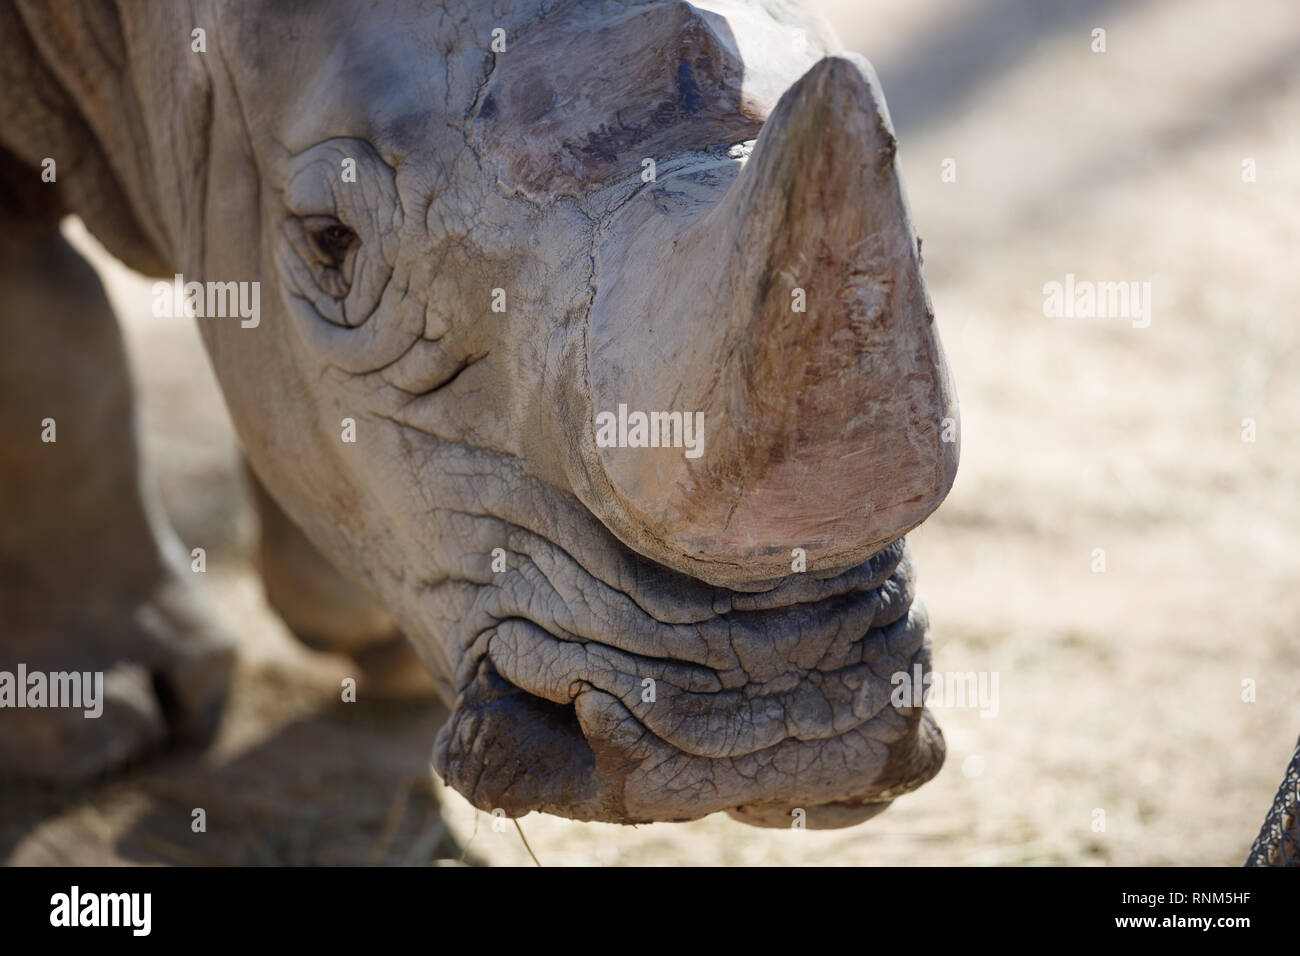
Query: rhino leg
point(92, 579)
point(328, 611)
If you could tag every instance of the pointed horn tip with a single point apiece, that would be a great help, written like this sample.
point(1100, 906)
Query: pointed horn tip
point(846, 87)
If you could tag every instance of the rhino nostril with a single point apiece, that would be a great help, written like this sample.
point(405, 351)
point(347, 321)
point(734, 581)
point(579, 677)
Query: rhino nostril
point(507, 749)
point(556, 723)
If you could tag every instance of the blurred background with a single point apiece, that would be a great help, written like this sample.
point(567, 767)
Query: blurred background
point(1121, 735)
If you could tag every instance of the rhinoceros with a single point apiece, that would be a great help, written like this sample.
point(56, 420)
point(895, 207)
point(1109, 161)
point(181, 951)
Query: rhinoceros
point(588, 340)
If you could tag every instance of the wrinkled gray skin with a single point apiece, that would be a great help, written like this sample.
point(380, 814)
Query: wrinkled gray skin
point(473, 427)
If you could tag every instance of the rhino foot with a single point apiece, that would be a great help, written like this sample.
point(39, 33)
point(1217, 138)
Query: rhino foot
point(109, 684)
point(107, 649)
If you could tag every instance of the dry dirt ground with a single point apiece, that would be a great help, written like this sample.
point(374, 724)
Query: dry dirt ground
point(1120, 735)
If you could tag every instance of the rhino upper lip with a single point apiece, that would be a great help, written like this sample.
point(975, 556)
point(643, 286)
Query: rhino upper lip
point(714, 713)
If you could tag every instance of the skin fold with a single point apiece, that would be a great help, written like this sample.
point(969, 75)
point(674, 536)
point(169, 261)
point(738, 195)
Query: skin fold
point(622, 634)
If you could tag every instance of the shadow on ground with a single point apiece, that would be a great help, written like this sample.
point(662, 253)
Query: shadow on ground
point(330, 787)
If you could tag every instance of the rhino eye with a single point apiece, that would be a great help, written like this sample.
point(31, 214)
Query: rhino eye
point(331, 241)
point(332, 247)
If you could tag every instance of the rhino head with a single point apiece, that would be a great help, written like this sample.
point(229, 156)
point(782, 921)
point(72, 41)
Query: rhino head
point(484, 237)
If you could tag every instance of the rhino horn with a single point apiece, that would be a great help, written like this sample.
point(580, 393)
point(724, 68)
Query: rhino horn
point(832, 428)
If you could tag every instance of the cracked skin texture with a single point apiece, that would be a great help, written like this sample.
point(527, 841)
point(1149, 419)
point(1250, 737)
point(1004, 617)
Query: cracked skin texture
point(805, 726)
point(520, 172)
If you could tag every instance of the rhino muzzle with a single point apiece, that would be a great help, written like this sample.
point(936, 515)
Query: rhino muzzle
point(762, 704)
